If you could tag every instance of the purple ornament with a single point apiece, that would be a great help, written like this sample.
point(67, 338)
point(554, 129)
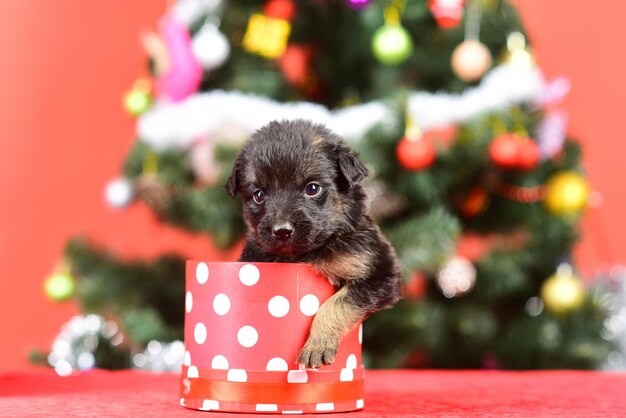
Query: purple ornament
point(551, 133)
point(358, 4)
point(554, 92)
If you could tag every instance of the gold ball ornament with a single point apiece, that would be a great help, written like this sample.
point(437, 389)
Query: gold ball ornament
point(562, 292)
point(517, 51)
point(471, 60)
point(567, 193)
point(521, 58)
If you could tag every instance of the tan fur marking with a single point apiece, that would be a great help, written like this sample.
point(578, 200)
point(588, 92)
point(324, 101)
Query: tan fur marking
point(335, 318)
point(344, 266)
point(317, 140)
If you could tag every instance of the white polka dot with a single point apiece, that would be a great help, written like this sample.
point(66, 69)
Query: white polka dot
point(328, 406)
point(219, 362)
point(351, 362)
point(294, 412)
point(237, 375)
point(297, 376)
point(247, 336)
point(186, 386)
point(361, 333)
point(202, 273)
point(209, 405)
point(347, 375)
point(309, 304)
point(278, 306)
point(360, 403)
point(188, 302)
point(249, 274)
point(277, 364)
point(199, 333)
point(192, 371)
point(187, 359)
point(267, 407)
point(221, 304)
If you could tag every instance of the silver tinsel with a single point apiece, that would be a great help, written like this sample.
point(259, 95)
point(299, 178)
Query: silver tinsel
point(611, 294)
point(456, 277)
point(75, 346)
point(160, 356)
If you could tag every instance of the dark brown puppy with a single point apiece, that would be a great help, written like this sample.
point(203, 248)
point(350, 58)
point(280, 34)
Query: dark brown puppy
point(303, 203)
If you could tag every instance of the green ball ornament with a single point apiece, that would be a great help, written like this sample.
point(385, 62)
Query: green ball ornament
point(137, 101)
point(60, 286)
point(392, 44)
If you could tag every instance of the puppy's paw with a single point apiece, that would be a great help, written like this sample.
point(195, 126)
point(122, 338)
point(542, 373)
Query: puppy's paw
point(317, 352)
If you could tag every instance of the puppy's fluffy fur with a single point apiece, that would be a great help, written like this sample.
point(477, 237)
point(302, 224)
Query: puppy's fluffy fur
point(303, 202)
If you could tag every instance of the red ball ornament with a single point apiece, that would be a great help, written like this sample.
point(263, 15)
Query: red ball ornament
point(419, 359)
point(529, 155)
point(474, 202)
point(473, 246)
point(415, 153)
point(280, 9)
point(503, 150)
point(513, 151)
point(295, 64)
point(447, 13)
point(416, 287)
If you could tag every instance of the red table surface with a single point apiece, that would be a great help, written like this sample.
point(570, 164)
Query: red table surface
point(388, 393)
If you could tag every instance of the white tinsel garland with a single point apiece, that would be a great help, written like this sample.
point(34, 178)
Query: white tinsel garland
point(190, 11)
point(504, 86)
point(178, 125)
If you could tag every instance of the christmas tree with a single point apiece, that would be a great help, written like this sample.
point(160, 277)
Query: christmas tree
point(473, 178)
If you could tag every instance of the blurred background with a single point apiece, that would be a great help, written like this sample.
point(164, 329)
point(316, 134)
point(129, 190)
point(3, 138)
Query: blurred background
point(64, 134)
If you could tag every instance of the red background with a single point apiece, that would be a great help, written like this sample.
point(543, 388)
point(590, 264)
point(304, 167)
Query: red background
point(63, 135)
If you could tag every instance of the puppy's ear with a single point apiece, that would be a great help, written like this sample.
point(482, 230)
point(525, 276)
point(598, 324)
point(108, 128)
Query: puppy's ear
point(350, 167)
point(233, 182)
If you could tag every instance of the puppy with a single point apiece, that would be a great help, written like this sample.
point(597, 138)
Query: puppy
point(303, 203)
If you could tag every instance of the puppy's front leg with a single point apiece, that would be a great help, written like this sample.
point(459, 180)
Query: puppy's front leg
point(335, 318)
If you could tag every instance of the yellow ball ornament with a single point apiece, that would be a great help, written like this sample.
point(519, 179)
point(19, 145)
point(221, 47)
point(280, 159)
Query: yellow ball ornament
point(562, 292)
point(567, 193)
point(60, 286)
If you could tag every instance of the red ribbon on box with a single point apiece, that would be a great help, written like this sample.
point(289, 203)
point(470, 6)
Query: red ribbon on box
point(273, 393)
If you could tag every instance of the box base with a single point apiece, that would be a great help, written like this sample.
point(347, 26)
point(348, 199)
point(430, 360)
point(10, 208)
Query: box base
point(272, 392)
point(320, 408)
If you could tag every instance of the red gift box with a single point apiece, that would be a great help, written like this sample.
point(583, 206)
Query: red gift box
point(245, 324)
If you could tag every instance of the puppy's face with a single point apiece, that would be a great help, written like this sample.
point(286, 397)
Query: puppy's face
point(295, 179)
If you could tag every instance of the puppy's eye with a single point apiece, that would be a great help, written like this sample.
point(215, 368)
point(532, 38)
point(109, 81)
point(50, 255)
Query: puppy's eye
point(312, 189)
point(258, 196)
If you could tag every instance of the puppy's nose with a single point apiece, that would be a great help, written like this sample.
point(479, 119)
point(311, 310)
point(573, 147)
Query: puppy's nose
point(282, 231)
